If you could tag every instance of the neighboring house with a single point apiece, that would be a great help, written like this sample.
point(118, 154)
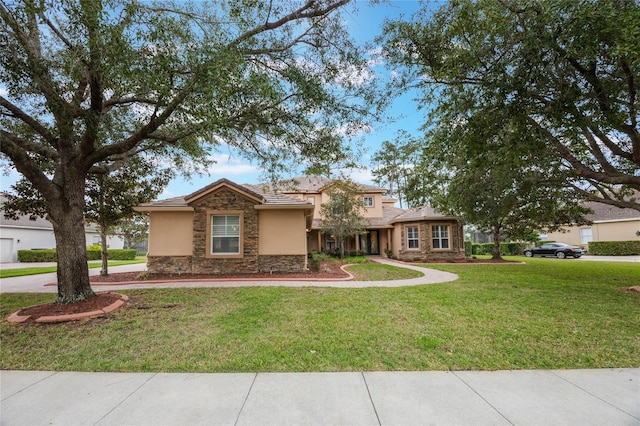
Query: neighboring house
point(27, 234)
point(609, 224)
point(250, 228)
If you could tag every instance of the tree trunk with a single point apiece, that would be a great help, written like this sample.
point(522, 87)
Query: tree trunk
point(496, 244)
point(104, 271)
point(66, 213)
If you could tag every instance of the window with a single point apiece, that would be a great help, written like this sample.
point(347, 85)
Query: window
point(413, 241)
point(440, 238)
point(585, 235)
point(225, 234)
point(368, 201)
point(311, 200)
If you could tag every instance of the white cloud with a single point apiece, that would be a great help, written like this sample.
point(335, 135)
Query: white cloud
point(228, 165)
point(3, 91)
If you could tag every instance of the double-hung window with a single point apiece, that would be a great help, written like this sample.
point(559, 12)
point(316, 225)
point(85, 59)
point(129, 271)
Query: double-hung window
point(413, 239)
point(225, 234)
point(367, 201)
point(440, 237)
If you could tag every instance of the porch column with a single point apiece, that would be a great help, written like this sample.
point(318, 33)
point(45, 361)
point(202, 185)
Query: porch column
point(319, 241)
point(357, 242)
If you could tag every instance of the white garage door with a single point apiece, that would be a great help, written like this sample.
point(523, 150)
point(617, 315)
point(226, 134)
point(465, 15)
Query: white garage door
point(6, 250)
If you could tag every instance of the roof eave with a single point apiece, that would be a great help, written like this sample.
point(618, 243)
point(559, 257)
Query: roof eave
point(144, 209)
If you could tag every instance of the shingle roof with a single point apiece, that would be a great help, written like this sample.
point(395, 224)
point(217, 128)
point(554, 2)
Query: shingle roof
point(23, 221)
point(606, 212)
point(424, 212)
point(316, 184)
point(267, 197)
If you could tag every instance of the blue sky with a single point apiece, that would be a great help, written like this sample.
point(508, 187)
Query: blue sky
point(364, 25)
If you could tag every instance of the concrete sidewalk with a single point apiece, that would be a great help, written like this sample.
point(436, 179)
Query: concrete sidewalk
point(36, 283)
point(526, 397)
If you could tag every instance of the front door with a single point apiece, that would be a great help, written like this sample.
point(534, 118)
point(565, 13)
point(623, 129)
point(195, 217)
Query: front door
point(369, 242)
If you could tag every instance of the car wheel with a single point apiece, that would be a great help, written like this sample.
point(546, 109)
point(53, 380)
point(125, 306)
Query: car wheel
point(577, 256)
point(560, 255)
point(528, 253)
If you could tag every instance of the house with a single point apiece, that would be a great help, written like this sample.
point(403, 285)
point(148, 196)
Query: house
point(251, 228)
point(609, 223)
point(26, 234)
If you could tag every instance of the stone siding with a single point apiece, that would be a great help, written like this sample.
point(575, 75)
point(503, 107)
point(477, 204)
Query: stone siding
point(169, 264)
point(282, 263)
point(225, 200)
point(425, 252)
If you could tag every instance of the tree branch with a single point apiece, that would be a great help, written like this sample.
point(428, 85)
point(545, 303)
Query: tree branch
point(304, 12)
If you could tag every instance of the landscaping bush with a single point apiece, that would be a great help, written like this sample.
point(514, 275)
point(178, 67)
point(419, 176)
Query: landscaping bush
point(468, 248)
point(94, 254)
point(49, 255)
point(44, 255)
point(506, 249)
point(614, 248)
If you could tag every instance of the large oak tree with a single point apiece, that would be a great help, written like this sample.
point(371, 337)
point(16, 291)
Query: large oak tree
point(564, 74)
point(91, 83)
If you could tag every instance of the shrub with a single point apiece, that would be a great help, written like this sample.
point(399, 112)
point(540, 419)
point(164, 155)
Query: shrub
point(506, 249)
point(468, 248)
point(94, 254)
point(44, 255)
point(49, 255)
point(614, 248)
point(121, 254)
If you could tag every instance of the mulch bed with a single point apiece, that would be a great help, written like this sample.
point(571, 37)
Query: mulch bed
point(327, 270)
point(94, 304)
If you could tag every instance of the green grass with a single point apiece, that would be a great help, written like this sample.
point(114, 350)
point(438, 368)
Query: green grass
point(379, 272)
point(544, 314)
point(19, 272)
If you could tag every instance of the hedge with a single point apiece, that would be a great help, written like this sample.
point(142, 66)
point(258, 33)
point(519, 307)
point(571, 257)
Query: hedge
point(506, 249)
point(45, 255)
point(49, 255)
point(614, 248)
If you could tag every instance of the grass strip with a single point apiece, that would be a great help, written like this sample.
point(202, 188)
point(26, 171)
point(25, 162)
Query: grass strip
point(20, 272)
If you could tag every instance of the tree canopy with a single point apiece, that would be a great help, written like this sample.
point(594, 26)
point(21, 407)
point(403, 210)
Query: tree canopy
point(343, 214)
point(93, 83)
point(563, 74)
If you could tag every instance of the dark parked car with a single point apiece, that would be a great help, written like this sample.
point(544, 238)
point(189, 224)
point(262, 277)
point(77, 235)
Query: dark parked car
point(558, 250)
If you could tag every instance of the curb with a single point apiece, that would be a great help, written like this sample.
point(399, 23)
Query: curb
point(17, 318)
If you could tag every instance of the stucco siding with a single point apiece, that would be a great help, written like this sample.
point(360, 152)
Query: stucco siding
point(280, 232)
point(624, 230)
point(171, 234)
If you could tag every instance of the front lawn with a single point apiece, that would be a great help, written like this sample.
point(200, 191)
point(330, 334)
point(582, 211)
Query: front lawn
point(548, 313)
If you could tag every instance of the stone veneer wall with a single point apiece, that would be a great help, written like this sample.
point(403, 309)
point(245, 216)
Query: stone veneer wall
point(281, 263)
point(169, 264)
point(225, 200)
point(425, 253)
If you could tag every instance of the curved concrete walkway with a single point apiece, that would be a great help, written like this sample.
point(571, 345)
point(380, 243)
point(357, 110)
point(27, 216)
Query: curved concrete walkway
point(36, 283)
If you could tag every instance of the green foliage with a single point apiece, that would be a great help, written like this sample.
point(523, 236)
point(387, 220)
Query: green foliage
point(94, 85)
point(343, 215)
point(392, 165)
point(506, 249)
point(555, 83)
point(468, 248)
point(614, 248)
point(49, 255)
point(46, 255)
